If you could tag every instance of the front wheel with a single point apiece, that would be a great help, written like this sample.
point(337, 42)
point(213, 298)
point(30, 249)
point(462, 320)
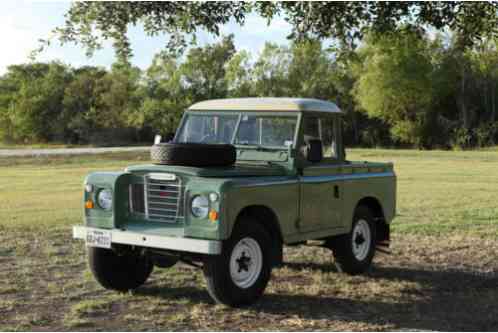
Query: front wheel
point(354, 251)
point(119, 271)
point(239, 275)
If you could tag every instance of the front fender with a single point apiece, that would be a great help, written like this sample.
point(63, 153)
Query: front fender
point(117, 183)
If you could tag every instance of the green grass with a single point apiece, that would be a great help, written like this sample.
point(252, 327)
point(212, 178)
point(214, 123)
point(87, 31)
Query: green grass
point(442, 191)
point(441, 274)
point(47, 191)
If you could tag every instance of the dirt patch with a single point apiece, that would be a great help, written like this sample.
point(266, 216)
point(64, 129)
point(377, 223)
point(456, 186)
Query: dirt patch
point(425, 284)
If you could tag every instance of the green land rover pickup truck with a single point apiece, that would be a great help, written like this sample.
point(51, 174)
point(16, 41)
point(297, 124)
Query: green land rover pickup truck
point(240, 179)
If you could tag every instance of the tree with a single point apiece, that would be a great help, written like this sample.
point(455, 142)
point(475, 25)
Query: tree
point(171, 85)
point(31, 105)
point(80, 102)
point(204, 70)
point(395, 84)
point(311, 71)
point(239, 75)
point(271, 71)
point(91, 22)
point(165, 97)
point(117, 96)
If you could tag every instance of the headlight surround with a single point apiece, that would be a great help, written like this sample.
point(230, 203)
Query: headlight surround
point(200, 206)
point(104, 199)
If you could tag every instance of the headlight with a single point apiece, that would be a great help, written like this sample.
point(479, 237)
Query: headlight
point(200, 206)
point(104, 199)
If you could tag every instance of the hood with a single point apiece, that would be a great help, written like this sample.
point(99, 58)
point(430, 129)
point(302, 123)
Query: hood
point(236, 170)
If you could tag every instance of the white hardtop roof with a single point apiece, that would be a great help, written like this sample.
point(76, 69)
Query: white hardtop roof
point(266, 104)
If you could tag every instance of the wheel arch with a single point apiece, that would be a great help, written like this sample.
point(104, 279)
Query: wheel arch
point(377, 210)
point(267, 218)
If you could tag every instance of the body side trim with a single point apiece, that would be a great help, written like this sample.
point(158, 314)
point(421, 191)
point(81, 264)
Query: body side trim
point(320, 179)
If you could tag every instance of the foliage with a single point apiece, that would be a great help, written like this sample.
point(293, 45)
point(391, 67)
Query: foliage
point(89, 23)
point(31, 101)
point(204, 70)
point(397, 89)
point(239, 75)
point(270, 71)
point(394, 83)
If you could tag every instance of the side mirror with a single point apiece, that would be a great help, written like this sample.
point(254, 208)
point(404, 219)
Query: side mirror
point(157, 139)
point(314, 151)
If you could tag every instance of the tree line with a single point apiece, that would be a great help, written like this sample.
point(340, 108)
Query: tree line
point(403, 88)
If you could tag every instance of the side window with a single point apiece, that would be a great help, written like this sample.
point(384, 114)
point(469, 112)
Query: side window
point(311, 128)
point(321, 128)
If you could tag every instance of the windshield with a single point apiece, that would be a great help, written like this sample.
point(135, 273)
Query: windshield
point(208, 129)
point(266, 131)
point(253, 130)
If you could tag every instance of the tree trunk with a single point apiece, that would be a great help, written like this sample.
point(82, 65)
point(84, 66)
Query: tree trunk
point(463, 107)
point(493, 101)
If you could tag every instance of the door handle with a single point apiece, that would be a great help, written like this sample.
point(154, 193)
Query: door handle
point(336, 191)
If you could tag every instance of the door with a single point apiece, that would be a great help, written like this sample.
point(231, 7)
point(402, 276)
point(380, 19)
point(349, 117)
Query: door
point(320, 183)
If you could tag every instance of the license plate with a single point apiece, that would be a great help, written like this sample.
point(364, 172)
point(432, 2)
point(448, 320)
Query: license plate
point(98, 238)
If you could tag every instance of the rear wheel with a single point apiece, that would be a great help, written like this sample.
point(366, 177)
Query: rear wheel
point(240, 274)
point(123, 271)
point(354, 251)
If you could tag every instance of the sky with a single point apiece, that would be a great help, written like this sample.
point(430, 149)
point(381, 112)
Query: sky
point(23, 23)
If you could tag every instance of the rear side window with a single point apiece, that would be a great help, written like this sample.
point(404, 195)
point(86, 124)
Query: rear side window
point(321, 128)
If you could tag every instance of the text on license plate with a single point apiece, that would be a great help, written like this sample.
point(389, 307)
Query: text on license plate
point(98, 238)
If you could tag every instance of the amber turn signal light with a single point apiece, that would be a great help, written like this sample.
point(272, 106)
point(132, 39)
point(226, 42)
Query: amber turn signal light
point(89, 204)
point(213, 215)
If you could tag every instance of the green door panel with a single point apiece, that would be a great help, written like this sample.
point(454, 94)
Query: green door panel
point(321, 203)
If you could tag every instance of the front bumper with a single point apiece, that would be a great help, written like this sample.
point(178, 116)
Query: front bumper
point(157, 242)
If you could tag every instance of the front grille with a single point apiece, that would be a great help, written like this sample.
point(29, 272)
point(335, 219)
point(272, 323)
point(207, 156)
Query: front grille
point(163, 198)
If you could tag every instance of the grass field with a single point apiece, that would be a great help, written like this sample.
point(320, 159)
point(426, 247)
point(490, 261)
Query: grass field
point(442, 273)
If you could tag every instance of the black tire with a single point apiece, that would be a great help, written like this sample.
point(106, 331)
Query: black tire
point(193, 154)
point(119, 272)
point(221, 285)
point(346, 260)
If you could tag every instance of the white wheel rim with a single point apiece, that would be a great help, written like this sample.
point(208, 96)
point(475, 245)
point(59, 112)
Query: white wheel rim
point(246, 262)
point(362, 239)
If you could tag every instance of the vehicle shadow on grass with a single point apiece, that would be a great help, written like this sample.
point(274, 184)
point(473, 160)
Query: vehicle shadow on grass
point(192, 294)
point(434, 300)
point(437, 300)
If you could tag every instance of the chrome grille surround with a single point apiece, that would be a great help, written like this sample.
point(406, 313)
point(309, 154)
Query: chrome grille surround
point(163, 193)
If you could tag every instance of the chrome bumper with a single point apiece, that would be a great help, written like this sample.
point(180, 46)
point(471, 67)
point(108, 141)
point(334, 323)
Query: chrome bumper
point(157, 242)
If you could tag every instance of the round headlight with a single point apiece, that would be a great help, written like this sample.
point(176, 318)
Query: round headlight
point(104, 199)
point(200, 206)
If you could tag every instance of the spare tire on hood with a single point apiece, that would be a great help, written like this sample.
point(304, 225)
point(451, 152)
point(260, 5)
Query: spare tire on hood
point(193, 154)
